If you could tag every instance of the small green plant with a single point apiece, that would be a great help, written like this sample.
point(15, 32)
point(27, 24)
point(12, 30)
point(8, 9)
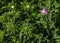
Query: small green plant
point(21, 21)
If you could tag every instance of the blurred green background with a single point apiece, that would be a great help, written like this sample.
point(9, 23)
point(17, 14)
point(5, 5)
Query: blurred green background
point(21, 21)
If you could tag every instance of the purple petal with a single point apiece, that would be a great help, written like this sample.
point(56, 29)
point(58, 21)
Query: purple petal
point(43, 11)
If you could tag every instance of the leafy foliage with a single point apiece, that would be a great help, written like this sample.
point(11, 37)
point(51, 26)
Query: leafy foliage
point(21, 21)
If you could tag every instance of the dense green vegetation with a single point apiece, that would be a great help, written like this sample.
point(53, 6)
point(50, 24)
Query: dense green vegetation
point(21, 21)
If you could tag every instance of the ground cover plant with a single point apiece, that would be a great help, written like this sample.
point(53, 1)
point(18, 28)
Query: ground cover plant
point(29, 21)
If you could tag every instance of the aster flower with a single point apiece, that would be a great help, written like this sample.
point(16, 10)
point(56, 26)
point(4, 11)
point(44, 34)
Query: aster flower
point(43, 11)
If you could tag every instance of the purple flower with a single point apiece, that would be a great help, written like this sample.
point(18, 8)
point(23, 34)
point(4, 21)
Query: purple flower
point(43, 11)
